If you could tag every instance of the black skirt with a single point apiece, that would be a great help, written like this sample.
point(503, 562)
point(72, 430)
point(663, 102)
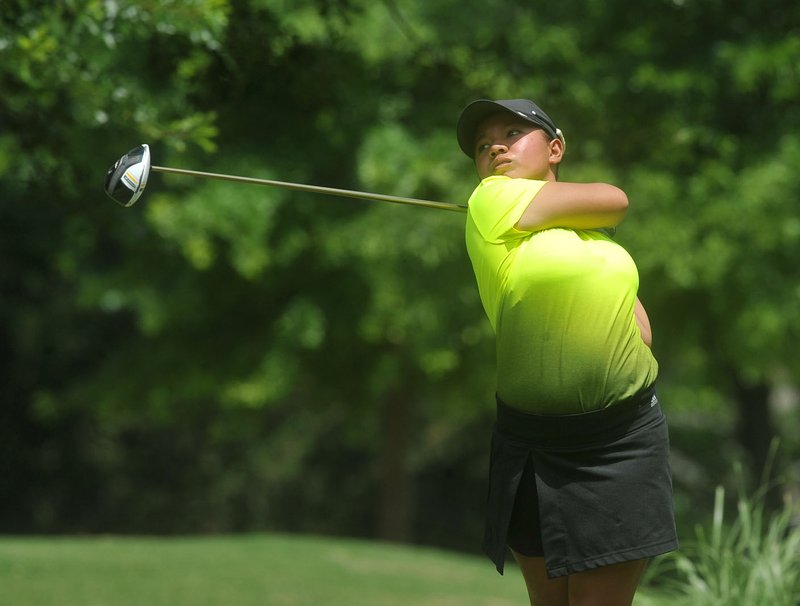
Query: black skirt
point(601, 481)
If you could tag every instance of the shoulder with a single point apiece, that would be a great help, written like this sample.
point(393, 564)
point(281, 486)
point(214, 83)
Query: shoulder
point(497, 204)
point(497, 195)
point(499, 185)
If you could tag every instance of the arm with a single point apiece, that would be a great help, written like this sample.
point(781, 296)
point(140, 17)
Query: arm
point(574, 205)
point(643, 322)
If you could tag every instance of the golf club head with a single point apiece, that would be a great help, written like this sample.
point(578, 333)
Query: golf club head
point(126, 180)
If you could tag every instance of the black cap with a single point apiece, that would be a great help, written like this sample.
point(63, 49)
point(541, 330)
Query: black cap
point(475, 112)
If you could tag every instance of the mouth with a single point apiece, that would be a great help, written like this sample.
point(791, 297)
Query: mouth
point(500, 164)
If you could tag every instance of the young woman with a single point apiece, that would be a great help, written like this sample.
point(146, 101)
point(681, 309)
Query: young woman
point(580, 486)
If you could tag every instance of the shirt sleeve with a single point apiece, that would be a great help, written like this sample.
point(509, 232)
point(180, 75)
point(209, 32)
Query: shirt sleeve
point(497, 204)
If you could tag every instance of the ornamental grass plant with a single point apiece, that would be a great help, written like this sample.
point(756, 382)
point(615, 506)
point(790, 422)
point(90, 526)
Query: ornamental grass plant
point(752, 561)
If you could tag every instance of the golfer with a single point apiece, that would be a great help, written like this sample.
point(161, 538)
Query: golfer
point(580, 486)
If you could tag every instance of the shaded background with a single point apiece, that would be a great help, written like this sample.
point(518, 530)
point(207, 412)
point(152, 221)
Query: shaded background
point(224, 358)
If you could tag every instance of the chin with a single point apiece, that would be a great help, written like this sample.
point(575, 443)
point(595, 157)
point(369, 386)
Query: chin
point(516, 174)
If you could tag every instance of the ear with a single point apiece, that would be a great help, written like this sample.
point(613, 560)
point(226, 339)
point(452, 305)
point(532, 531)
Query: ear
point(556, 151)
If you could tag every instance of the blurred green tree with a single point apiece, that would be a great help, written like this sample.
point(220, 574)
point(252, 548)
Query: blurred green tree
point(223, 357)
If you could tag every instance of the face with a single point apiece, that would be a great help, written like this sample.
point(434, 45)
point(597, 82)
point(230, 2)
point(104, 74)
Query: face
point(510, 146)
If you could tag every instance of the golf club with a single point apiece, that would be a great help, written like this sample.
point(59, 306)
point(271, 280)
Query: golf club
point(126, 180)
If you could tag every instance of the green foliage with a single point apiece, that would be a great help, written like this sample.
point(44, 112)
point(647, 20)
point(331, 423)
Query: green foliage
point(86, 65)
point(223, 357)
point(752, 560)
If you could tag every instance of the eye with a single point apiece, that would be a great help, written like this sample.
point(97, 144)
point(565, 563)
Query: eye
point(511, 133)
point(482, 148)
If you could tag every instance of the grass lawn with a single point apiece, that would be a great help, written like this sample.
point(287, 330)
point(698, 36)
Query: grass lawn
point(268, 570)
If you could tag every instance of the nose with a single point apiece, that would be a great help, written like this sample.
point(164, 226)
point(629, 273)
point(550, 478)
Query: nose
point(496, 148)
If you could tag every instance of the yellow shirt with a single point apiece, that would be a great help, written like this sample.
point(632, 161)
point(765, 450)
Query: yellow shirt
point(561, 303)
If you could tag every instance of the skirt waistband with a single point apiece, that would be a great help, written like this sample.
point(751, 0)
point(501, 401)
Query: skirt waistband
point(564, 429)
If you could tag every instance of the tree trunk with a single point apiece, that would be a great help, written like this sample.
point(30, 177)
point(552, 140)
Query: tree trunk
point(755, 434)
point(395, 508)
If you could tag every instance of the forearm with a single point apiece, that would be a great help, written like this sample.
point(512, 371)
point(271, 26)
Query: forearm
point(576, 206)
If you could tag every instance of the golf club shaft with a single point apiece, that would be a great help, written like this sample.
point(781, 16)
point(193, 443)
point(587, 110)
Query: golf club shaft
point(315, 189)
